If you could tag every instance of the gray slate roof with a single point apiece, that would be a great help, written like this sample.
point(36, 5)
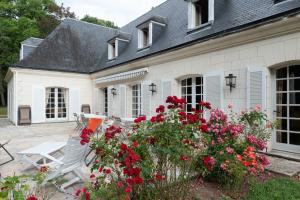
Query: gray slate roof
point(81, 47)
point(32, 41)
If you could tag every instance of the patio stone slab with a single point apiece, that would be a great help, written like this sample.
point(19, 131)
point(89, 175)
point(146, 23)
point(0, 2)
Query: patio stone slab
point(283, 166)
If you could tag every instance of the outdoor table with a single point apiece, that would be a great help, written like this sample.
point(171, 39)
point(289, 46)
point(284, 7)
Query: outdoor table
point(41, 151)
point(89, 116)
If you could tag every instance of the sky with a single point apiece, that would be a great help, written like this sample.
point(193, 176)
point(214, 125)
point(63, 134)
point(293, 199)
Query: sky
point(119, 11)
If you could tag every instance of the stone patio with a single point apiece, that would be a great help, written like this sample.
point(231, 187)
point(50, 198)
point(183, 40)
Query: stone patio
point(23, 137)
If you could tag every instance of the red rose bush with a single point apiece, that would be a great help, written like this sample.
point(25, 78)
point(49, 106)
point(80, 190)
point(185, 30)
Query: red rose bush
point(158, 157)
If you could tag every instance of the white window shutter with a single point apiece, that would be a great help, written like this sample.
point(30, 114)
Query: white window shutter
point(140, 39)
point(166, 90)
point(211, 10)
point(38, 104)
point(150, 33)
point(123, 102)
point(213, 90)
point(256, 88)
point(110, 101)
point(100, 101)
point(146, 99)
point(191, 15)
point(74, 102)
point(110, 51)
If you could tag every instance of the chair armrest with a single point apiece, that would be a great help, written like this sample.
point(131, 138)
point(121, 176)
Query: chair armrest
point(52, 158)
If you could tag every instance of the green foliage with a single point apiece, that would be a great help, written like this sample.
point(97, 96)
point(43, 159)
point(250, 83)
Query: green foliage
point(21, 187)
point(101, 22)
point(275, 189)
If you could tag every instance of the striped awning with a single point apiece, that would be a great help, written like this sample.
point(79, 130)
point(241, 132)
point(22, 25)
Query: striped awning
point(122, 76)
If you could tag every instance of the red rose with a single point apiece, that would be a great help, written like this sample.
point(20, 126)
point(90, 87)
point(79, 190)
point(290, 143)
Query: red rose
point(119, 184)
point(123, 147)
point(100, 169)
point(77, 193)
point(92, 176)
point(184, 158)
point(135, 144)
point(204, 128)
point(107, 171)
point(128, 189)
point(32, 198)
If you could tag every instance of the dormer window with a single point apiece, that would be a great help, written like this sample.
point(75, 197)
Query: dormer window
point(145, 36)
point(112, 49)
point(200, 12)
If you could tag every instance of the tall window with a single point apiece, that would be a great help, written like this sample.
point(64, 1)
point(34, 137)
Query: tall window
point(288, 106)
point(105, 101)
point(56, 103)
point(192, 92)
point(201, 14)
point(136, 100)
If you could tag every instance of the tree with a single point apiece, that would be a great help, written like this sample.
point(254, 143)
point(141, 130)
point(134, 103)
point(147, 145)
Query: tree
point(101, 22)
point(20, 19)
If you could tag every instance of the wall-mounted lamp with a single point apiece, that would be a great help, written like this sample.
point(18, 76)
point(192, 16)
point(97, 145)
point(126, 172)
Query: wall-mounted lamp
point(113, 91)
point(152, 88)
point(230, 81)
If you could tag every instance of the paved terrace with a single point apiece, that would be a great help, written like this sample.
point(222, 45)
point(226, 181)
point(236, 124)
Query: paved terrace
point(24, 137)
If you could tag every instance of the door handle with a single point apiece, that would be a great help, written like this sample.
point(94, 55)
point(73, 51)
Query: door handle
point(277, 112)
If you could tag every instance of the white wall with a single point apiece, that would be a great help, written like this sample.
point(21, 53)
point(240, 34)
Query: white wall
point(11, 108)
point(28, 79)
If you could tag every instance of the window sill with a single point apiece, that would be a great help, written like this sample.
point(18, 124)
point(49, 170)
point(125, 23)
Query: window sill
point(111, 60)
point(144, 48)
point(201, 27)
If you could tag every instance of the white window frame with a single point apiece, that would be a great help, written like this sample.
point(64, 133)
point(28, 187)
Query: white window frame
point(192, 13)
point(194, 90)
point(136, 99)
point(56, 112)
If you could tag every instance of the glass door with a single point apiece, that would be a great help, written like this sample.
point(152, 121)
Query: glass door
point(56, 104)
point(288, 108)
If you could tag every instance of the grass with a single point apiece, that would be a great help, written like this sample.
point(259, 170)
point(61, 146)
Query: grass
point(3, 112)
point(275, 189)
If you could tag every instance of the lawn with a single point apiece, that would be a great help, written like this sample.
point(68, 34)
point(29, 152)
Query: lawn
point(275, 189)
point(3, 112)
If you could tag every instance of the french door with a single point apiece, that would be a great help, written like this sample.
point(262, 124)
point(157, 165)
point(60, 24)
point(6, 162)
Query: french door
point(56, 104)
point(288, 108)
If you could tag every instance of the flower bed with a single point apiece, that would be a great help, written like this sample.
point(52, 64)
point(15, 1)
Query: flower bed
point(157, 158)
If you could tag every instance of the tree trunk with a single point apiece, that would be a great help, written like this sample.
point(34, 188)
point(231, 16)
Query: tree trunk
point(3, 103)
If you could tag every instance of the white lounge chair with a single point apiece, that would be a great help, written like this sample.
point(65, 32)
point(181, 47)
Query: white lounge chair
point(72, 162)
point(38, 155)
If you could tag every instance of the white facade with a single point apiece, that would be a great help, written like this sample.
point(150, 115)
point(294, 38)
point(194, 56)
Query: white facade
point(253, 56)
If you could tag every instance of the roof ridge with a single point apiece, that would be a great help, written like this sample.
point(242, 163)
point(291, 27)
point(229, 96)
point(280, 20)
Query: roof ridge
point(88, 23)
point(146, 13)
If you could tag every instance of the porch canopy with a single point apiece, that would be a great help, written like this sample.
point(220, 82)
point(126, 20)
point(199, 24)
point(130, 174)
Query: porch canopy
point(122, 76)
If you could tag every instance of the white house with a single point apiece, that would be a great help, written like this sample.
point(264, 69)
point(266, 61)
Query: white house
point(184, 48)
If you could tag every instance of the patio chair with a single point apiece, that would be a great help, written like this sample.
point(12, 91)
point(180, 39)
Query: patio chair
point(72, 162)
point(78, 122)
point(9, 154)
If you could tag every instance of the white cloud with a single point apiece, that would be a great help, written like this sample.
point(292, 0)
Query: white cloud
point(119, 11)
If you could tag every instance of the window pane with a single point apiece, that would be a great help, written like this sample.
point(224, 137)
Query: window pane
point(281, 111)
point(295, 138)
point(198, 90)
point(294, 125)
point(183, 91)
point(281, 73)
point(281, 137)
point(198, 80)
point(282, 124)
point(294, 71)
point(294, 98)
point(295, 111)
point(281, 85)
point(294, 84)
point(281, 98)
point(189, 81)
point(189, 107)
point(189, 99)
point(183, 82)
point(189, 90)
